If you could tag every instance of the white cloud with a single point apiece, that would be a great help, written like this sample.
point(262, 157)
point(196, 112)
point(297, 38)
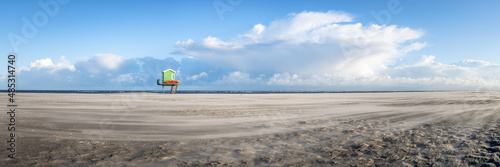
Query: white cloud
point(237, 77)
point(3, 77)
point(300, 27)
point(424, 60)
point(101, 62)
point(308, 43)
point(214, 43)
point(124, 78)
point(474, 63)
point(258, 28)
point(48, 65)
point(329, 49)
point(414, 46)
point(324, 50)
point(185, 43)
point(285, 79)
point(94, 73)
point(423, 74)
point(197, 76)
point(108, 61)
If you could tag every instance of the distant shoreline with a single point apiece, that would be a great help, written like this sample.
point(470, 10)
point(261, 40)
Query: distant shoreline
point(214, 91)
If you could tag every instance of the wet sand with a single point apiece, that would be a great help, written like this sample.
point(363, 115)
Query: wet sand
point(331, 129)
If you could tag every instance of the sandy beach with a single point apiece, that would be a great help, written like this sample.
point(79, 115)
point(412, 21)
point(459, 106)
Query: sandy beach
point(311, 129)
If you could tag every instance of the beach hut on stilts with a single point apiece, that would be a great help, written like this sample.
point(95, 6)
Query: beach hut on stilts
point(168, 79)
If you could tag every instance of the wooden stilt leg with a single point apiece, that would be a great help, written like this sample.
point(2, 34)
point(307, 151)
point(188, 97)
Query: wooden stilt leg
point(163, 89)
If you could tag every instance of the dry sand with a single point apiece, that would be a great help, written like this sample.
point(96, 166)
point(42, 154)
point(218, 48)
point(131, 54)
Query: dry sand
point(364, 129)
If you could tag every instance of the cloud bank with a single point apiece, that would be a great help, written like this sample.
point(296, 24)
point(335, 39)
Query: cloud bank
point(309, 43)
point(304, 51)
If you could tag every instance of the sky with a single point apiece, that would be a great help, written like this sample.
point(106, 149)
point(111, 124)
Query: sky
point(359, 45)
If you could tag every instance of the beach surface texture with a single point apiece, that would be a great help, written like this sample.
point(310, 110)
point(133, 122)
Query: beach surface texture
point(309, 129)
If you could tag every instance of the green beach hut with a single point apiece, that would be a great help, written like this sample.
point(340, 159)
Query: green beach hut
point(168, 75)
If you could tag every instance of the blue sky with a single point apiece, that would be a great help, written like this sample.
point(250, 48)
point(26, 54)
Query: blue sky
point(253, 45)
